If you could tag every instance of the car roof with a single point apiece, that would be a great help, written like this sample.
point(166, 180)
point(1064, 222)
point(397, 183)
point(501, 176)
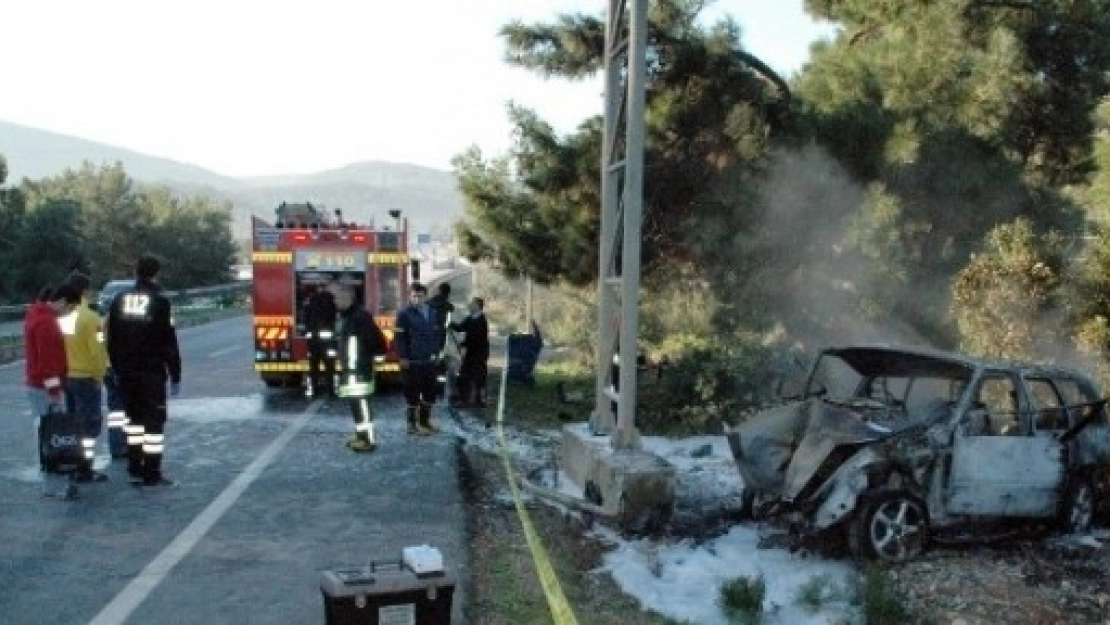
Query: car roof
point(906, 360)
point(871, 360)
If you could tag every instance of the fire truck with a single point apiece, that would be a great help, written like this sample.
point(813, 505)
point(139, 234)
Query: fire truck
point(302, 251)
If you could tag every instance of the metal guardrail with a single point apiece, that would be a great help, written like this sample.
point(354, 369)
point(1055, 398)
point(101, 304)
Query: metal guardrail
point(14, 313)
point(11, 340)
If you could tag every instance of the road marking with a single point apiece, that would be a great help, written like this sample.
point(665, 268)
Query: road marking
point(226, 350)
point(561, 612)
point(117, 611)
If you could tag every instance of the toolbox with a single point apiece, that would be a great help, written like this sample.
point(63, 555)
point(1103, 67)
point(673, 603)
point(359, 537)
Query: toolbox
point(387, 592)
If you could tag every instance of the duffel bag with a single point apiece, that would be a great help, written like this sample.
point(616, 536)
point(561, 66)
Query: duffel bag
point(60, 441)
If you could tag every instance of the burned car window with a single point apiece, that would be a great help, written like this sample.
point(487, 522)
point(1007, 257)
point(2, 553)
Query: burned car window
point(1078, 399)
point(926, 393)
point(918, 387)
point(995, 407)
point(1048, 411)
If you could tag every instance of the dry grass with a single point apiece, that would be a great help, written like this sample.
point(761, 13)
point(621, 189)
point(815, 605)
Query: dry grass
point(505, 587)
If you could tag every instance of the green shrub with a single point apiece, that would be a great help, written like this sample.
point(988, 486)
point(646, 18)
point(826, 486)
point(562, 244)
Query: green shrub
point(742, 599)
point(706, 384)
point(880, 602)
point(813, 594)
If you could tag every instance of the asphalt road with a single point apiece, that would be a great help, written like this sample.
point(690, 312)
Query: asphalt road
point(267, 499)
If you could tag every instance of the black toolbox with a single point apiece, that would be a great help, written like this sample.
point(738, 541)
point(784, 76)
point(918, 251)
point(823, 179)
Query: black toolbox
point(386, 593)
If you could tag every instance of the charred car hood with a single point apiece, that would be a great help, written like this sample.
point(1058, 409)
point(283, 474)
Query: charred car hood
point(779, 450)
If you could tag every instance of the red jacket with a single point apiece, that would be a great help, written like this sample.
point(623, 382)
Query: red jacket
point(44, 347)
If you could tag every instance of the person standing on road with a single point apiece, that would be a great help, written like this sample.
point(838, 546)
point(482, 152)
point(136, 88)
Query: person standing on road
point(360, 340)
point(416, 338)
point(45, 369)
point(320, 316)
point(441, 305)
point(87, 363)
point(475, 346)
point(143, 351)
point(446, 361)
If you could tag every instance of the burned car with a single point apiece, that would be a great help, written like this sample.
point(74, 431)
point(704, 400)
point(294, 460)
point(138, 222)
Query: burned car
point(895, 446)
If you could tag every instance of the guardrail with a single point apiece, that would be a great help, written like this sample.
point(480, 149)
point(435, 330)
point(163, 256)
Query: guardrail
point(15, 313)
point(185, 315)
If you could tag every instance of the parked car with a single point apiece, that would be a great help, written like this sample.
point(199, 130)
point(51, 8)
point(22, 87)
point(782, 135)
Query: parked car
point(895, 446)
point(109, 292)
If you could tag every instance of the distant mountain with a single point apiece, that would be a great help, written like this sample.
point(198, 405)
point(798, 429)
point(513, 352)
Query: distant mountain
point(428, 198)
point(33, 153)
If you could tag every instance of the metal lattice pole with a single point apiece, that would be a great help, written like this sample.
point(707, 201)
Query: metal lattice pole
point(621, 216)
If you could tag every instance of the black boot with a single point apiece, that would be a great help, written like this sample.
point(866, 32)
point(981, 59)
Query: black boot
point(135, 462)
point(424, 425)
point(410, 412)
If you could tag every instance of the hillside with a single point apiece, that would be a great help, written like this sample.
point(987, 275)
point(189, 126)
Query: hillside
point(364, 191)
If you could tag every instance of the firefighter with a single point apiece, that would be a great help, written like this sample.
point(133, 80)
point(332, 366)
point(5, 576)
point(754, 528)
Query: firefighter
point(441, 306)
point(416, 338)
point(320, 314)
point(143, 351)
point(360, 340)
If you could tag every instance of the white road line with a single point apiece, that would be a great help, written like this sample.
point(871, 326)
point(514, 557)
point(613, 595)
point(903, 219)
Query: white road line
point(226, 350)
point(121, 607)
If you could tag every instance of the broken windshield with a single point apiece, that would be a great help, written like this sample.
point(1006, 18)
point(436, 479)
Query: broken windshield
point(916, 383)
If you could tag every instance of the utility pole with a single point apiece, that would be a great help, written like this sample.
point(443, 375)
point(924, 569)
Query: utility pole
point(622, 158)
point(528, 295)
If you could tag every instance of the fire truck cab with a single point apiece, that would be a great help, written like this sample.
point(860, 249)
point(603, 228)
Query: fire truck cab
point(304, 250)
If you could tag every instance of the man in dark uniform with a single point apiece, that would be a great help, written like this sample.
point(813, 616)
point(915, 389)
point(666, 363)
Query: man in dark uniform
point(360, 340)
point(441, 306)
point(446, 366)
point(142, 348)
point(320, 313)
point(416, 338)
point(475, 346)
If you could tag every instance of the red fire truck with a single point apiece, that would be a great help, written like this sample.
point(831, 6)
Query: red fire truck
point(303, 250)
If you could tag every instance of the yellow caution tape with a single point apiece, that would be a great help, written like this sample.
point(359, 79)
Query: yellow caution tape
point(561, 612)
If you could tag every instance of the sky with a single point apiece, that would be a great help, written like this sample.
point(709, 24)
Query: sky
point(266, 87)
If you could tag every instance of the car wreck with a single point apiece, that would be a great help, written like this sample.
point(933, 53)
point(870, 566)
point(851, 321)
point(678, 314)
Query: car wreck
point(895, 446)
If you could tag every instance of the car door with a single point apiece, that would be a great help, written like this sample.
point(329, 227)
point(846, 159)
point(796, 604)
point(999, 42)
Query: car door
point(999, 467)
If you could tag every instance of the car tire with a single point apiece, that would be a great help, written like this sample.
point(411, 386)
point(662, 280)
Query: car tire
point(1077, 510)
point(892, 526)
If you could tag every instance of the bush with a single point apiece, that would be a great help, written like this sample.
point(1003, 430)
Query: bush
point(813, 594)
point(742, 599)
point(712, 375)
point(881, 604)
point(705, 385)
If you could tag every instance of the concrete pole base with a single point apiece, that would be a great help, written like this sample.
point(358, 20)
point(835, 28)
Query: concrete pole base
point(633, 487)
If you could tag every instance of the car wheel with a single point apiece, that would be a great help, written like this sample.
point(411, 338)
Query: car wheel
point(892, 526)
point(1078, 508)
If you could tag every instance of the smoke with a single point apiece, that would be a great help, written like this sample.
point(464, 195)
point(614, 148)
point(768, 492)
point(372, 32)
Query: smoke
point(824, 292)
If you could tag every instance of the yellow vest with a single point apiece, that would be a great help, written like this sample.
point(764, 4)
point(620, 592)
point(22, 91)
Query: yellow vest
point(85, 353)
